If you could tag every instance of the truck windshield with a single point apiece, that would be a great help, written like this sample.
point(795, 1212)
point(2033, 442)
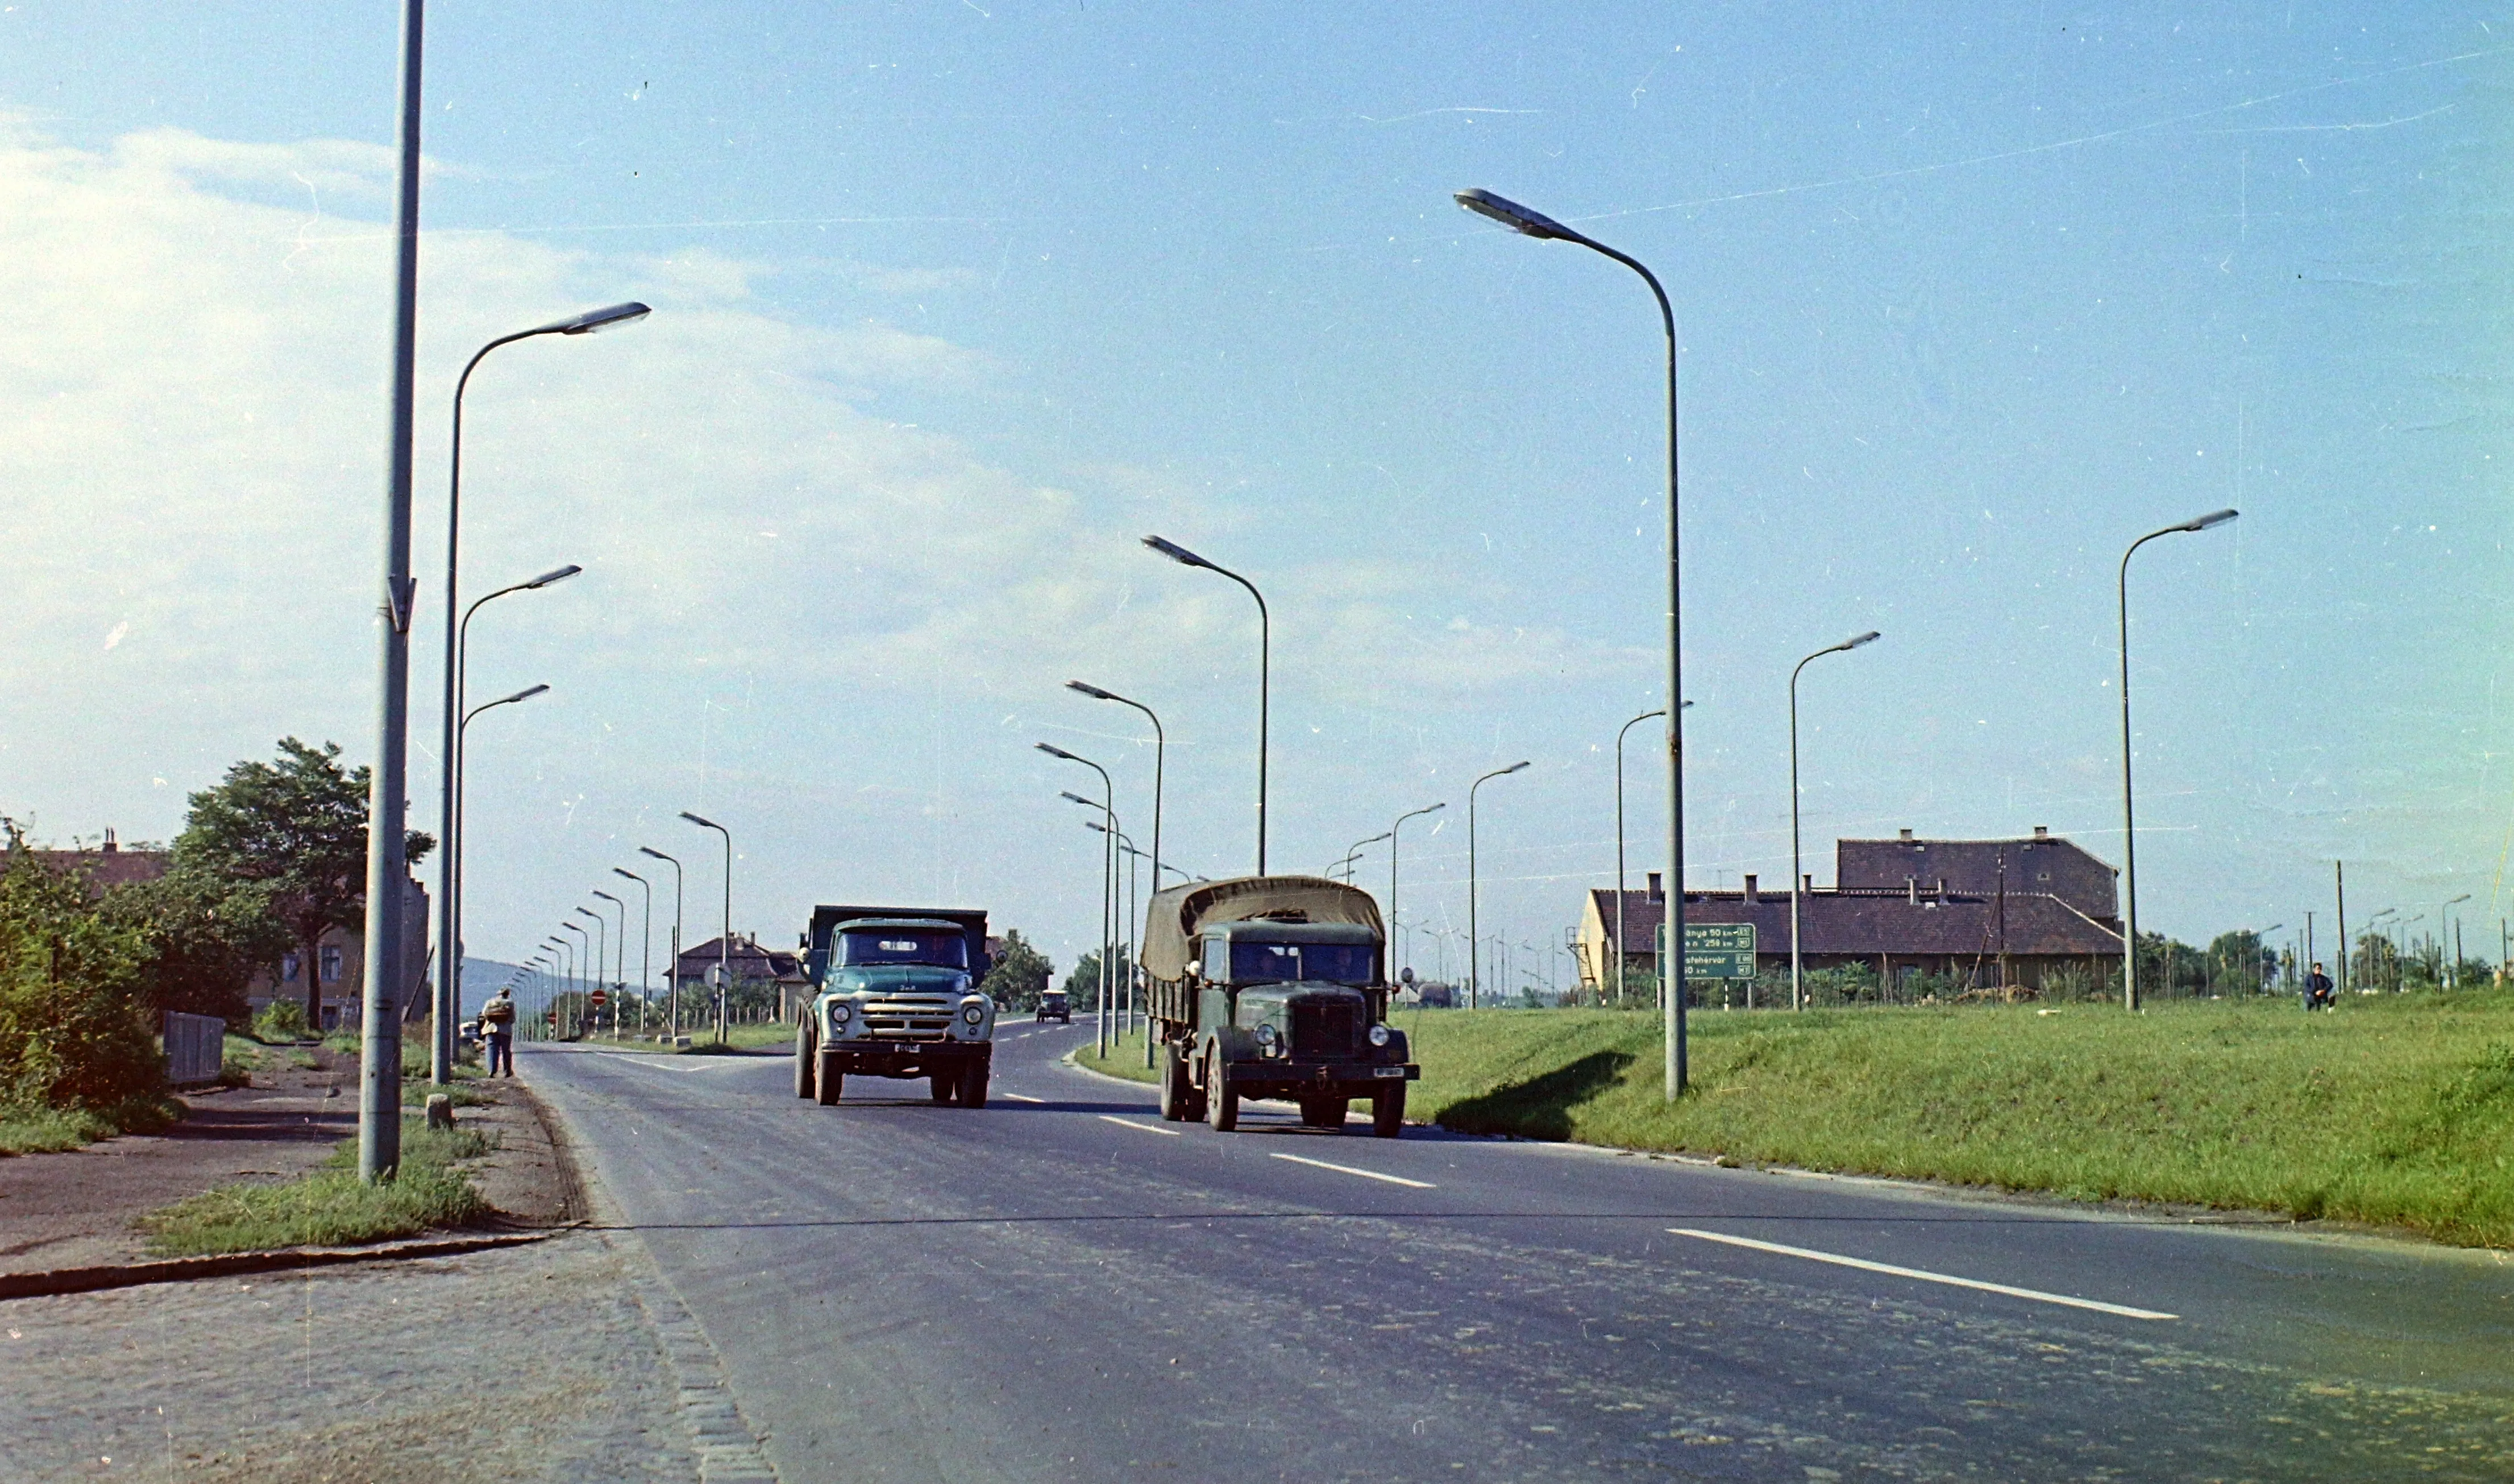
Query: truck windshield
point(903, 946)
point(1274, 962)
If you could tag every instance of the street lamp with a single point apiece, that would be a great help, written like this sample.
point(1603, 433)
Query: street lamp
point(1358, 845)
point(1390, 972)
point(2130, 818)
point(1107, 879)
point(458, 621)
point(1797, 870)
point(449, 949)
point(601, 956)
point(1129, 948)
point(576, 963)
point(449, 865)
point(724, 944)
point(645, 947)
point(1529, 224)
point(1475, 944)
point(673, 991)
point(1620, 950)
point(619, 957)
point(2448, 930)
point(1161, 749)
point(1265, 670)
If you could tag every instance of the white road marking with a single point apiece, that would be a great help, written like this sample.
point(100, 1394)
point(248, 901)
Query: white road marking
point(2040, 1296)
point(1018, 1098)
point(1144, 1128)
point(1393, 1180)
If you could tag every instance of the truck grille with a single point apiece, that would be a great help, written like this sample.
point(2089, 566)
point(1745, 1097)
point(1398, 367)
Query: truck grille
point(1325, 1031)
point(921, 1017)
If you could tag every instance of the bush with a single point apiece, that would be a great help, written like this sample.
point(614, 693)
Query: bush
point(281, 1020)
point(74, 1036)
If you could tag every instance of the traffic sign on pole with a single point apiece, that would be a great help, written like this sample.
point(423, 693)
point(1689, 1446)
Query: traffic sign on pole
point(1714, 951)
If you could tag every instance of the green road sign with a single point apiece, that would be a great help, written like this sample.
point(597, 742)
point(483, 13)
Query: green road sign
point(1714, 951)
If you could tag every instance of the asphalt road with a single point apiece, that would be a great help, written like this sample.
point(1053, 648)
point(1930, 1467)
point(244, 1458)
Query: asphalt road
point(1060, 1286)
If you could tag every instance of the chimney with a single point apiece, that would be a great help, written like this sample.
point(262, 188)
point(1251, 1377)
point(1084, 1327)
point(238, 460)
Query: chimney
point(1657, 888)
point(1907, 835)
point(1807, 883)
point(1751, 894)
point(1912, 888)
point(2041, 831)
point(111, 845)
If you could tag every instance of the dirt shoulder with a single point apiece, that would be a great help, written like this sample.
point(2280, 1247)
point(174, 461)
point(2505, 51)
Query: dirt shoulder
point(75, 1208)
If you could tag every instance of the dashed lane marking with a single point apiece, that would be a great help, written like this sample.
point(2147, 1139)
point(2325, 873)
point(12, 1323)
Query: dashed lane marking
point(1839, 1260)
point(1019, 1097)
point(1145, 1128)
point(1393, 1180)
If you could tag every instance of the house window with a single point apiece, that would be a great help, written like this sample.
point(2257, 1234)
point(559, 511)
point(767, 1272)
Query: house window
point(330, 966)
point(288, 968)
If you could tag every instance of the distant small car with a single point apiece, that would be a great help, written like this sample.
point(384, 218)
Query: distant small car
point(1054, 1006)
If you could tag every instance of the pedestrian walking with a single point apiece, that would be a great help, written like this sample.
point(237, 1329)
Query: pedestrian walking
point(2316, 990)
point(498, 1033)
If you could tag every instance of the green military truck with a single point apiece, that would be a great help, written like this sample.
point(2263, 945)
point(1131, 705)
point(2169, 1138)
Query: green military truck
point(1274, 986)
point(896, 996)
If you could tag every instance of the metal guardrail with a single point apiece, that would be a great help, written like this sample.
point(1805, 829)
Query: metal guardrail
point(195, 1048)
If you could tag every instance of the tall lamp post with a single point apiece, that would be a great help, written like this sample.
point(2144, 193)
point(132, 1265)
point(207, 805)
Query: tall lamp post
point(2449, 942)
point(1393, 843)
point(2129, 815)
point(457, 619)
point(724, 943)
point(1619, 844)
point(449, 878)
point(671, 991)
point(1358, 845)
point(1529, 224)
point(1265, 670)
point(601, 959)
point(1108, 876)
point(1100, 996)
point(619, 957)
point(1798, 867)
point(449, 979)
point(1161, 749)
point(1475, 943)
point(645, 947)
point(577, 962)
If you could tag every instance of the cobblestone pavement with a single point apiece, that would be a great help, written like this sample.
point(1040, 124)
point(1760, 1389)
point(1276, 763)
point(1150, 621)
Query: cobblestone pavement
point(564, 1360)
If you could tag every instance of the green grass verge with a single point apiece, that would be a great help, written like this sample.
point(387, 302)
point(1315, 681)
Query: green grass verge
point(50, 1131)
point(2397, 1110)
point(330, 1207)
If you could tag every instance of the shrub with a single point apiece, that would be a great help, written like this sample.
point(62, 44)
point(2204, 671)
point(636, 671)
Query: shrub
point(280, 1020)
point(74, 1033)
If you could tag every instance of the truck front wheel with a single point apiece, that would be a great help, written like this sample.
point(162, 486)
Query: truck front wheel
point(973, 1085)
point(1178, 1093)
point(1387, 1111)
point(943, 1085)
point(826, 1080)
point(802, 1065)
point(1221, 1099)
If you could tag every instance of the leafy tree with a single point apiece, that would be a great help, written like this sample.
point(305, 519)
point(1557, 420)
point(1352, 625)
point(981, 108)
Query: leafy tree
point(2239, 964)
point(1082, 986)
point(298, 828)
point(201, 938)
point(1019, 975)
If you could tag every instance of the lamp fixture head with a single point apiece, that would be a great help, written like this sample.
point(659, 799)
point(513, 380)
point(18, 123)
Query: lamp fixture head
point(2212, 520)
point(1516, 767)
point(1052, 751)
point(648, 850)
point(619, 870)
point(606, 896)
point(1519, 219)
point(1092, 691)
point(555, 575)
point(526, 693)
point(1078, 799)
point(594, 321)
point(1175, 552)
point(702, 824)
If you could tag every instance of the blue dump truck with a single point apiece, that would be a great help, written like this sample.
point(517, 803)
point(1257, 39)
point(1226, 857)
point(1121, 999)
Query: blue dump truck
point(894, 994)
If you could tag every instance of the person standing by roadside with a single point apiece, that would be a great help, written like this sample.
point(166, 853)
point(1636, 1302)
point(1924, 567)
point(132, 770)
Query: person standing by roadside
point(2316, 990)
point(498, 1033)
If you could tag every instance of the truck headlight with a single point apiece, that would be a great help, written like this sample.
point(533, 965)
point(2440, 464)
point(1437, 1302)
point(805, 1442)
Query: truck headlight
point(841, 1013)
point(973, 1011)
point(1266, 1035)
point(1378, 1035)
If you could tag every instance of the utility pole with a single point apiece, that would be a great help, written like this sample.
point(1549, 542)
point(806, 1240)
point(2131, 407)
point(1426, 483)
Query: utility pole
point(388, 785)
point(2339, 885)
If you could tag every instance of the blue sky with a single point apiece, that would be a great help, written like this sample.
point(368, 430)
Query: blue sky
point(955, 300)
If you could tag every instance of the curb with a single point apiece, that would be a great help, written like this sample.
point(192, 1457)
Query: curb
point(88, 1280)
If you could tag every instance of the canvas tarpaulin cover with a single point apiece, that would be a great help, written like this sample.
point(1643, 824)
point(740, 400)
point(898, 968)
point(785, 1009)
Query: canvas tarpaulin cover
point(1181, 912)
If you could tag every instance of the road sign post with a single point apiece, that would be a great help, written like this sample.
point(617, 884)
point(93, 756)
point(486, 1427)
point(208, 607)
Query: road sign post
point(1713, 951)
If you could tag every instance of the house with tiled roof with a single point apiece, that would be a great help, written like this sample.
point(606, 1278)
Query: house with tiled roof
point(1986, 913)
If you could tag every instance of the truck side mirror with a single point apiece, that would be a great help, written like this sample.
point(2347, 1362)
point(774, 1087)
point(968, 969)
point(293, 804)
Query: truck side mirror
point(1194, 966)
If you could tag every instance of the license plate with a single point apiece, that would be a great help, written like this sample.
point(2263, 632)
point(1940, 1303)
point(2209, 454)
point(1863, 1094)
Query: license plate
point(1388, 1071)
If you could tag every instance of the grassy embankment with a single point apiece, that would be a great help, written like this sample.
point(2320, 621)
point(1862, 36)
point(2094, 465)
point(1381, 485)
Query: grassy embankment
point(330, 1207)
point(2395, 1110)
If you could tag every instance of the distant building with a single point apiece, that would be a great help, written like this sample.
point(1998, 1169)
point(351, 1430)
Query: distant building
point(749, 963)
point(108, 865)
point(341, 963)
point(1988, 913)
